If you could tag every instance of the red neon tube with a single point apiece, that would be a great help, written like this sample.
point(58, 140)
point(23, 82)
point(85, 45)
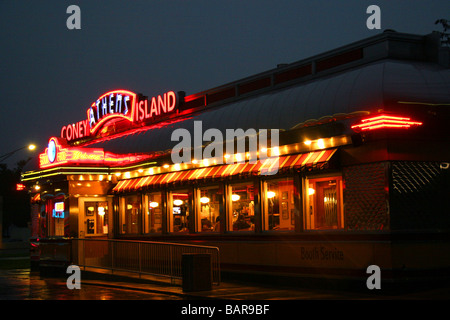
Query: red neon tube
point(385, 121)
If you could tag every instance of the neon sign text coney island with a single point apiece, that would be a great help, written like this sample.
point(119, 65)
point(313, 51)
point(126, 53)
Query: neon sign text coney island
point(120, 105)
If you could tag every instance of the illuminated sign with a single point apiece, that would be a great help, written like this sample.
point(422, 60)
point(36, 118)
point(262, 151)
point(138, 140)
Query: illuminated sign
point(20, 187)
point(58, 211)
point(58, 153)
point(51, 151)
point(385, 121)
point(156, 106)
point(120, 105)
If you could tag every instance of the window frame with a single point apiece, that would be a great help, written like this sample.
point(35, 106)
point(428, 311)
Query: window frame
point(190, 224)
point(229, 207)
point(146, 230)
point(216, 226)
point(122, 213)
point(309, 211)
point(290, 203)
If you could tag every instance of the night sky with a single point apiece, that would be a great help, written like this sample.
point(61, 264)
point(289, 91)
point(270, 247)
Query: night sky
point(49, 75)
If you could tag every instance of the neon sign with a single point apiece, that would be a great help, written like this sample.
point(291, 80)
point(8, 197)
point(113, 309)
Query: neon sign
point(120, 105)
point(385, 121)
point(158, 106)
point(58, 152)
point(112, 105)
point(58, 211)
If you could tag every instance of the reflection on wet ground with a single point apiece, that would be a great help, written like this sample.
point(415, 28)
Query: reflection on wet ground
point(21, 284)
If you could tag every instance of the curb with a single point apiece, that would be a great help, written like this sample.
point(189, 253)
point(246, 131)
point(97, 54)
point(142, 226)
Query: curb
point(150, 290)
point(124, 282)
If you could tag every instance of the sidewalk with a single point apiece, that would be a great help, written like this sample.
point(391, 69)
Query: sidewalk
point(231, 290)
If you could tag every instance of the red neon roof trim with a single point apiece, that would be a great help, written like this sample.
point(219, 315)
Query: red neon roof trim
point(66, 155)
point(385, 121)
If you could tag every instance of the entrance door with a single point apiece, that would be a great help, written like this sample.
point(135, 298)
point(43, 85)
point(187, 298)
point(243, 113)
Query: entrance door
point(324, 204)
point(327, 211)
point(95, 215)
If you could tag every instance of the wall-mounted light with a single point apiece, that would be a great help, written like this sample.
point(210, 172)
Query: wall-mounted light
point(154, 204)
point(320, 143)
point(275, 151)
point(204, 200)
point(270, 194)
point(235, 197)
point(178, 202)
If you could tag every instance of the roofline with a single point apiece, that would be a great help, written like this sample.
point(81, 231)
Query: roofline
point(386, 45)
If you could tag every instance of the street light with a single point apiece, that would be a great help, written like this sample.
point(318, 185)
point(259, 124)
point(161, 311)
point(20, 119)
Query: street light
point(30, 147)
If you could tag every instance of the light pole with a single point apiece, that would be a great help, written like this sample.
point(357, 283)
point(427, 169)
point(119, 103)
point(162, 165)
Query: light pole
point(30, 147)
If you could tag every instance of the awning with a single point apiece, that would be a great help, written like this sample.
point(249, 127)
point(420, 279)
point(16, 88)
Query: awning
point(269, 166)
point(300, 161)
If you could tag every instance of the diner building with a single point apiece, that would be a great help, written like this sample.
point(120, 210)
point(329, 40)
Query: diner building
point(315, 169)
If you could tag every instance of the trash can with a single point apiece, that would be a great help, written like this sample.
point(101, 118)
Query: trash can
point(196, 272)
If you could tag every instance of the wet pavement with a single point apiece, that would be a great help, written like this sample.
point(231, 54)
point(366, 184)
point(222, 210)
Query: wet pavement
point(21, 284)
point(227, 300)
point(238, 290)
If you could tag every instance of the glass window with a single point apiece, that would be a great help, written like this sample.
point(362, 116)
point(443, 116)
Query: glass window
point(279, 208)
point(180, 207)
point(129, 214)
point(153, 213)
point(55, 214)
point(324, 204)
point(241, 207)
point(96, 217)
point(210, 203)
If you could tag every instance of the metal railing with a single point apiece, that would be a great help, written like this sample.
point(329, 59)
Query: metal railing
point(142, 257)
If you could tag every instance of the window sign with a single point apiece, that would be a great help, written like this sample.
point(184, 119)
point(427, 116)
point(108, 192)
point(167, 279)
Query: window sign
point(58, 211)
